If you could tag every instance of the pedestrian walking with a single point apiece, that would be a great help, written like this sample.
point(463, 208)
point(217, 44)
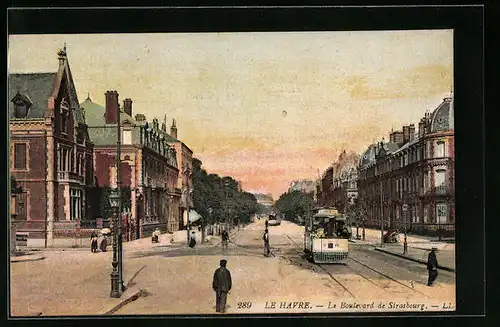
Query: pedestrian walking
point(221, 284)
point(192, 239)
point(432, 265)
point(104, 243)
point(267, 249)
point(225, 238)
point(267, 223)
point(93, 242)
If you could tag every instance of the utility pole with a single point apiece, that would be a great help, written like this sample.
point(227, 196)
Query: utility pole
point(381, 213)
point(119, 192)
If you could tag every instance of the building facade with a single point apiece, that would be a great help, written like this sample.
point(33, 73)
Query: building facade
point(409, 182)
point(184, 157)
point(303, 185)
point(325, 189)
point(50, 152)
point(148, 169)
point(345, 174)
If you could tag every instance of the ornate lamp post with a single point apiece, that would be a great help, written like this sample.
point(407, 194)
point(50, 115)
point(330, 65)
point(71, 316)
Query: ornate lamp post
point(114, 200)
point(405, 244)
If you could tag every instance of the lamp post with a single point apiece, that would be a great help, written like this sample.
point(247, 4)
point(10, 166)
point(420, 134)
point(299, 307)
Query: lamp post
point(405, 244)
point(119, 204)
point(115, 276)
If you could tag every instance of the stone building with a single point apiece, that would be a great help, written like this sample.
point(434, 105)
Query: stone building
point(185, 163)
point(149, 171)
point(50, 152)
point(303, 185)
point(410, 180)
point(325, 189)
point(344, 186)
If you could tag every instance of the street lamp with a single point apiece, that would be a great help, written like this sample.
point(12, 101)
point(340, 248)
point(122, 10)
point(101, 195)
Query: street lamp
point(210, 210)
point(114, 201)
point(405, 244)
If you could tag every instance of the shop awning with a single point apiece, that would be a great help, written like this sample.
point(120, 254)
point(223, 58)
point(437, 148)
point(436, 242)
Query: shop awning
point(193, 216)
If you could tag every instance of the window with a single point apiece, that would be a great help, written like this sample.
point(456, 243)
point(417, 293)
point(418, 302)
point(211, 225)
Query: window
point(440, 153)
point(439, 178)
point(64, 125)
point(127, 136)
point(20, 156)
point(21, 110)
point(441, 213)
point(75, 204)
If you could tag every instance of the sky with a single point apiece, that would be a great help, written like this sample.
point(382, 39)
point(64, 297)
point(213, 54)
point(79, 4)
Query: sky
point(263, 108)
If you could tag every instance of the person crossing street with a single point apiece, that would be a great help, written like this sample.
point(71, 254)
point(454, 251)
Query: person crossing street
point(267, 250)
point(221, 284)
point(432, 265)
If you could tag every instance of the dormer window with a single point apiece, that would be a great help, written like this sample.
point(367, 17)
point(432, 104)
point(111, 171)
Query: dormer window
point(21, 105)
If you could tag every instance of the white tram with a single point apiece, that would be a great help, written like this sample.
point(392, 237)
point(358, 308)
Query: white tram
point(326, 236)
point(274, 219)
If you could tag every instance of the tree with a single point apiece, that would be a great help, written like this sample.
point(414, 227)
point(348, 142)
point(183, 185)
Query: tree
point(221, 194)
point(295, 204)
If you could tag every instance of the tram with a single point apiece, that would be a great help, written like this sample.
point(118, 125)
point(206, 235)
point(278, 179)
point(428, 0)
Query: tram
point(274, 219)
point(326, 236)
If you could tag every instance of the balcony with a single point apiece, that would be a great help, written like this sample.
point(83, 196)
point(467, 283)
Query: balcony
point(437, 190)
point(69, 176)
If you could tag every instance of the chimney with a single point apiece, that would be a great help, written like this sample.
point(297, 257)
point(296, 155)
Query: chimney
point(140, 117)
point(406, 134)
point(127, 106)
point(111, 107)
point(421, 128)
point(412, 132)
point(173, 129)
point(164, 124)
point(62, 55)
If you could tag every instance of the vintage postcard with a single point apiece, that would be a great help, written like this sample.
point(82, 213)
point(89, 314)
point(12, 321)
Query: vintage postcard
point(231, 173)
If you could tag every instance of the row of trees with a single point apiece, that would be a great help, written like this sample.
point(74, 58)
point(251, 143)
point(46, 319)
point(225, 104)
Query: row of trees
point(295, 205)
point(219, 199)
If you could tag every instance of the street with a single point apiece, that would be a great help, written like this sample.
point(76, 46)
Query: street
point(178, 279)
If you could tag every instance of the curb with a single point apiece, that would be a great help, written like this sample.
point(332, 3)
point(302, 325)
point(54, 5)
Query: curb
point(413, 259)
point(124, 302)
point(36, 258)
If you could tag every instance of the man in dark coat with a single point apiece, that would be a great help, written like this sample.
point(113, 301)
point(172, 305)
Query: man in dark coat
point(267, 248)
point(222, 285)
point(432, 265)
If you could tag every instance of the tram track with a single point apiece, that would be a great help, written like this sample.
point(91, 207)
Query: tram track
point(388, 289)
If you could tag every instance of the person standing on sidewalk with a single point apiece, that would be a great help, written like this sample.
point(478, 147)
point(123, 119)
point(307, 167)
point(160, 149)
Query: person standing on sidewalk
point(221, 284)
point(432, 265)
point(266, 242)
point(267, 223)
point(93, 244)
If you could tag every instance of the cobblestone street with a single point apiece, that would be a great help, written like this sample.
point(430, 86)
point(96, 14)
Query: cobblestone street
point(178, 279)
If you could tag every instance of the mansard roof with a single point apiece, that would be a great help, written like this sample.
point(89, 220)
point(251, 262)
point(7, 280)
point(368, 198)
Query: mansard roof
point(443, 116)
point(35, 86)
point(41, 87)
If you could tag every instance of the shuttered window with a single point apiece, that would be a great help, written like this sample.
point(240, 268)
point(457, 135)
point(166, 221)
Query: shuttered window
point(20, 158)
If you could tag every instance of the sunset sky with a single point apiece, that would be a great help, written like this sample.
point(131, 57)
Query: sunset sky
point(264, 108)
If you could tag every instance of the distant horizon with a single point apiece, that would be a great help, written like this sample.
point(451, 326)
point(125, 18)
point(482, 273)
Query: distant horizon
point(263, 108)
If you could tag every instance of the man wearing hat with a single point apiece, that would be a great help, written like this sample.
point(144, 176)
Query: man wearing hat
point(432, 265)
point(222, 285)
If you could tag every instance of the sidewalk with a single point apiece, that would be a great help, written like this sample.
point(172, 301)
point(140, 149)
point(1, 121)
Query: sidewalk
point(68, 283)
point(418, 248)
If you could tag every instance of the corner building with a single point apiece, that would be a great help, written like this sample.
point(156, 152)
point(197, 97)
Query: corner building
point(409, 181)
point(50, 152)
